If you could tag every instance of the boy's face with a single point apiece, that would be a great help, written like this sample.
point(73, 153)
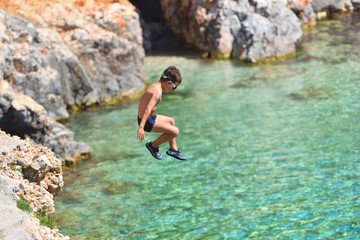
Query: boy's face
point(171, 86)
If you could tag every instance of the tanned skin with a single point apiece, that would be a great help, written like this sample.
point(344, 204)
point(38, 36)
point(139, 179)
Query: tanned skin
point(163, 124)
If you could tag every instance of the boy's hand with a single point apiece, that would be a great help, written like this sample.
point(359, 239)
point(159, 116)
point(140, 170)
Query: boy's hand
point(140, 134)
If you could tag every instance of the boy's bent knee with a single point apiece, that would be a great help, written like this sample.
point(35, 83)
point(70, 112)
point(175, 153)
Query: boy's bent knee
point(176, 131)
point(172, 121)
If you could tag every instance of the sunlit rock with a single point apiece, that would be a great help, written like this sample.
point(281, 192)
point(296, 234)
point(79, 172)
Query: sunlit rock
point(20, 115)
point(246, 30)
point(71, 53)
point(331, 5)
point(37, 187)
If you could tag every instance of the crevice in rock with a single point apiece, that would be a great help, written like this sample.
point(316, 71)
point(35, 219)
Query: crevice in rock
point(157, 35)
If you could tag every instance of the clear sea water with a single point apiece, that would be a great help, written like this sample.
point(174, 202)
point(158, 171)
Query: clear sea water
point(273, 151)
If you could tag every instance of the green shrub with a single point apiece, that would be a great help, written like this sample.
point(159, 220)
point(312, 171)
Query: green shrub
point(45, 221)
point(23, 205)
point(41, 215)
point(13, 168)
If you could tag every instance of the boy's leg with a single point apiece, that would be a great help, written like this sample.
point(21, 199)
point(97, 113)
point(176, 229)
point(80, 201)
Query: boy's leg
point(165, 125)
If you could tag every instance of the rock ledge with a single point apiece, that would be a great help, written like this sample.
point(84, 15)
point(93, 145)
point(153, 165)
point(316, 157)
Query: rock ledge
point(34, 174)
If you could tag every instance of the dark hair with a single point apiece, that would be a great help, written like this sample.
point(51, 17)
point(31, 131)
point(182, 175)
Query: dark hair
point(171, 74)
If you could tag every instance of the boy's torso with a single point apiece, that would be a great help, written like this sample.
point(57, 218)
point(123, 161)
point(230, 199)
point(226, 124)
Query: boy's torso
point(151, 91)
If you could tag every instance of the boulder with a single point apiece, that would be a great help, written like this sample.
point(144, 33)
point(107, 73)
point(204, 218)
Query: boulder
point(356, 4)
point(22, 116)
point(303, 10)
point(247, 30)
point(331, 5)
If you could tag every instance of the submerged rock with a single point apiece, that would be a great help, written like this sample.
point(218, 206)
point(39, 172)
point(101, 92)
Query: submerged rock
point(118, 187)
point(312, 93)
point(246, 84)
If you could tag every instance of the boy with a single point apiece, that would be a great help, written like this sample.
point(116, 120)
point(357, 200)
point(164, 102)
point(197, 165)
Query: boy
point(149, 122)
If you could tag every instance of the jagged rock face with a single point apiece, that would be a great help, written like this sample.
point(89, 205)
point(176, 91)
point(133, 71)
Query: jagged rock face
point(64, 54)
point(356, 4)
point(36, 164)
point(153, 24)
point(20, 115)
point(331, 5)
point(303, 10)
point(34, 174)
point(248, 30)
point(150, 10)
point(71, 53)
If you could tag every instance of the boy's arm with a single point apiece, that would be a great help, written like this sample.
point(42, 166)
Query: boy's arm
point(152, 101)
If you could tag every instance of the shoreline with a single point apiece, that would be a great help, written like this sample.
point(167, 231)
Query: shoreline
point(12, 174)
point(30, 179)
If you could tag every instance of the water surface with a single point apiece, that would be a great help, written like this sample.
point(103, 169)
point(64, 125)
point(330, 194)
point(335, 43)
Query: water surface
point(273, 151)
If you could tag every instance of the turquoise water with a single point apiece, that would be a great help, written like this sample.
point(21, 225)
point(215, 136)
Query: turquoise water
point(273, 151)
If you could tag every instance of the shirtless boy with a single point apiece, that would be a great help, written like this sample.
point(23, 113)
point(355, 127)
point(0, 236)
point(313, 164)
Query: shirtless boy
point(150, 122)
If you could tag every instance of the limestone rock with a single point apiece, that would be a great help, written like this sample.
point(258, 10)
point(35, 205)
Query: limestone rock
point(247, 30)
point(37, 186)
point(331, 5)
point(22, 116)
point(303, 10)
point(71, 53)
point(60, 55)
point(356, 4)
point(250, 30)
point(12, 228)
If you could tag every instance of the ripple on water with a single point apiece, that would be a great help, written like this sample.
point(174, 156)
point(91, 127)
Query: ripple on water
point(273, 152)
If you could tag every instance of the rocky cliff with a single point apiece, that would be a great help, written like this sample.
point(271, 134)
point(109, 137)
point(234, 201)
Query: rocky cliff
point(30, 174)
point(63, 55)
point(71, 53)
point(22, 116)
point(250, 30)
point(247, 30)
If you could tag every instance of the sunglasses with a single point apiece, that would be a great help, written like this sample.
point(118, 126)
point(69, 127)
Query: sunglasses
point(166, 77)
point(173, 85)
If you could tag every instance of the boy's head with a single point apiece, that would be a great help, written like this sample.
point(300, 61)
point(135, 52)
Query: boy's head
point(171, 74)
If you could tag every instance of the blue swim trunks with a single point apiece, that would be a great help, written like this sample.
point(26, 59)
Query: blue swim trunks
point(149, 122)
